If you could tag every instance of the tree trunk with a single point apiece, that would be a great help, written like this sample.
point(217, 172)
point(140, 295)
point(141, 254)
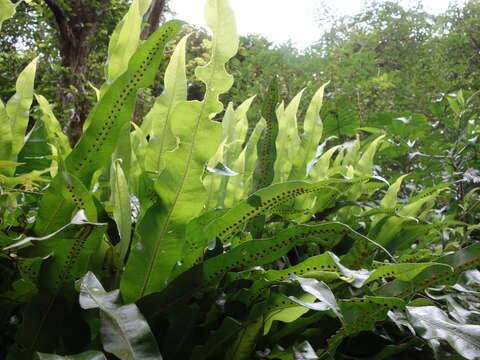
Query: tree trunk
point(153, 17)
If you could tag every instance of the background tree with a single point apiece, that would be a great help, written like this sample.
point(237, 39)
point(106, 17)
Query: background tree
point(72, 38)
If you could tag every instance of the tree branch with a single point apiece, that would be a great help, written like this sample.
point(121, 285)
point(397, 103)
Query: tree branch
point(152, 17)
point(57, 13)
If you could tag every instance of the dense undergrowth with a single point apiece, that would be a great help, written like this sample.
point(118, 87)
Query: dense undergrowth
point(184, 238)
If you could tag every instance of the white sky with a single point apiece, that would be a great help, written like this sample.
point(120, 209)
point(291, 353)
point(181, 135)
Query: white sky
point(281, 20)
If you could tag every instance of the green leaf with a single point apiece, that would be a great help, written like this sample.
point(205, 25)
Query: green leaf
point(278, 308)
point(321, 292)
point(7, 10)
point(113, 111)
point(297, 327)
point(266, 149)
point(362, 314)
point(220, 18)
point(88, 355)
point(180, 186)
point(237, 130)
point(195, 244)
point(107, 120)
point(262, 202)
point(125, 332)
point(407, 125)
point(244, 344)
point(340, 118)
point(319, 171)
point(18, 107)
point(247, 254)
point(230, 153)
point(313, 267)
point(124, 40)
point(309, 140)
point(393, 225)
point(365, 164)
point(390, 350)
point(404, 272)
point(229, 329)
point(239, 186)
point(157, 122)
point(36, 152)
point(43, 317)
point(390, 198)
point(5, 139)
point(438, 274)
point(55, 136)
point(266, 153)
point(288, 139)
point(434, 190)
point(431, 323)
point(411, 126)
point(122, 212)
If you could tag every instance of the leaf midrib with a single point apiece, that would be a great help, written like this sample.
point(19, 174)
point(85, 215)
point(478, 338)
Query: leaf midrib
point(182, 182)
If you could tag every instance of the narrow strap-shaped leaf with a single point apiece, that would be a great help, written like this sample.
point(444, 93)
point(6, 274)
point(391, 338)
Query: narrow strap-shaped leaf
point(18, 107)
point(54, 132)
point(247, 254)
point(296, 327)
point(259, 203)
point(288, 139)
point(266, 153)
point(195, 244)
point(310, 138)
point(228, 124)
point(240, 130)
point(264, 251)
point(5, 140)
point(393, 225)
point(157, 122)
point(266, 148)
point(244, 344)
point(239, 186)
point(390, 198)
point(115, 108)
point(125, 332)
point(320, 169)
point(43, 319)
point(125, 39)
point(365, 164)
point(214, 180)
point(77, 194)
point(362, 314)
point(180, 186)
point(122, 211)
point(309, 268)
point(430, 191)
point(107, 120)
point(230, 154)
point(458, 262)
point(404, 271)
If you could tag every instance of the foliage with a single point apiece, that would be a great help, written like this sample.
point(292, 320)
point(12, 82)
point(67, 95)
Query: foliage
point(183, 237)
